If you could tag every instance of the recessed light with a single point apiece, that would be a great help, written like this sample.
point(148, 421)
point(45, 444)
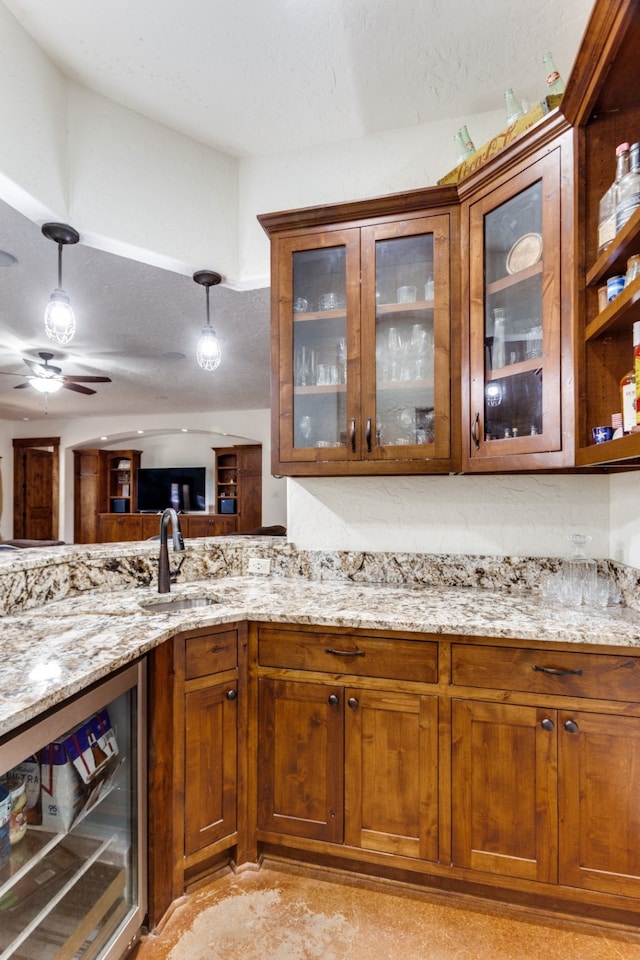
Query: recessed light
point(140, 431)
point(104, 438)
point(7, 259)
point(184, 430)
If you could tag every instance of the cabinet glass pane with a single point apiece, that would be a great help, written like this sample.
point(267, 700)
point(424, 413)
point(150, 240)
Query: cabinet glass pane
point(404, 341)
point(513, 326)
point(319, 348)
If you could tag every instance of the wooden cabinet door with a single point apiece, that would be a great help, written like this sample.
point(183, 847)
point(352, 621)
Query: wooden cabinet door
point(210, 765)
point(504, 789)
point(207, 525)
point(391, 773)
point(520, 392)
point(599, 791)
point(114, 529)
point(300, 766)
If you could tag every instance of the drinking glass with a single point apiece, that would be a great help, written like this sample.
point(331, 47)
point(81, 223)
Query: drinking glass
point(580, 573)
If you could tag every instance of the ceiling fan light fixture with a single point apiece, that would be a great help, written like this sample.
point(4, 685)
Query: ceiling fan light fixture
point(208, 353)
point(47, 384)
point(59, 319)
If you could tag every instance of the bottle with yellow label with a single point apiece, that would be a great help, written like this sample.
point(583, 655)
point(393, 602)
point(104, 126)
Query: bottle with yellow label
point(636, 367)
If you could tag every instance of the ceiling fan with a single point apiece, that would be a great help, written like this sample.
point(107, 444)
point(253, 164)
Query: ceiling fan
point(47, 378)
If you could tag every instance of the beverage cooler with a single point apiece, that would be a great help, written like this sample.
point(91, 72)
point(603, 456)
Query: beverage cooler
point(73, 826)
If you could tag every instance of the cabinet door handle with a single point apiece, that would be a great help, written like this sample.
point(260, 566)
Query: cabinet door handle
point(571, 726)
point(352, 435)
point(558, 671)
point(333, 699)
point(353, 703)
point(232, 694)
point(475, 431)
point(368, 434)
point(345, 653)
point(547, 724)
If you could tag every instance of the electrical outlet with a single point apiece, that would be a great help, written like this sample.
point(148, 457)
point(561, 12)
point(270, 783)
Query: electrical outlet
point(259, 565)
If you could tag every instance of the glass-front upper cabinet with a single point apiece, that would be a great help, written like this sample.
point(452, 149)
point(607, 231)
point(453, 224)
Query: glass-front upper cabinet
point(361, 347)
point(515, 332)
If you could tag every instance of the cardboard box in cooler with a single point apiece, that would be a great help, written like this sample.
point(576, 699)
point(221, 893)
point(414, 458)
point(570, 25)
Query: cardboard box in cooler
point(75, 770)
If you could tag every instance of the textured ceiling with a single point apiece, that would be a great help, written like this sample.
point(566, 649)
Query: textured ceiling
point(252, 78)
point(258, 77)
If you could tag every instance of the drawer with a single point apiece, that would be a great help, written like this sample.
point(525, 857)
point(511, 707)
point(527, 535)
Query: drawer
point(211, 653)
point(540, 671)
point(349, 653)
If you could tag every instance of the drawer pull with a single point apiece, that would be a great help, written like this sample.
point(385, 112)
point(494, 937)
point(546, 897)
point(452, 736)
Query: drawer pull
point(345, 653)
point(571, 726)
point(558, 671)
point(547, 724)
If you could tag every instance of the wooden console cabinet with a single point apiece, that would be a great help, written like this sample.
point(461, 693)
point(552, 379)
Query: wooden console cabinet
point(104, 505)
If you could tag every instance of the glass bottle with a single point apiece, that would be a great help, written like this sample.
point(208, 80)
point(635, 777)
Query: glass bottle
point(466, 139)
point(628, 192)
point(636, 365)
point(461, 151)
point(498, 357)
point(628, 393)
point(607, 208)
point(555, 83)
point(512, 106)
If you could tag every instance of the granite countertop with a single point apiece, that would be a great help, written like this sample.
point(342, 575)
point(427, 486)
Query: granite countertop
point(51, 652)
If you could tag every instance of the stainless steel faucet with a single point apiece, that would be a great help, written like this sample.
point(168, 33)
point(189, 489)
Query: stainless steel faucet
point(164, 573)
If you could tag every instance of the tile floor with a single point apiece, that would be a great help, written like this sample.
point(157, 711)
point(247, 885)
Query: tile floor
point(282, 913)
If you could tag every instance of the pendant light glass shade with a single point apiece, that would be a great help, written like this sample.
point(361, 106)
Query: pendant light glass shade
point(208, 353)
point(208, 349)
point(59, 319)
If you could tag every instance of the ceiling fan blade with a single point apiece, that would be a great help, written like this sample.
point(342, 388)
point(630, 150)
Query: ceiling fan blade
point(77, 388)
point(87, 379)
point(42, 369)
point(20, 386)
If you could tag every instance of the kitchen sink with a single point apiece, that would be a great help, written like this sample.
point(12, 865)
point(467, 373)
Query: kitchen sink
point(171, 605)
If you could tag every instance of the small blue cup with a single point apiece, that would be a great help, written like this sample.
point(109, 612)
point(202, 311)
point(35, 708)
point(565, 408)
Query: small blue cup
point(601, 434)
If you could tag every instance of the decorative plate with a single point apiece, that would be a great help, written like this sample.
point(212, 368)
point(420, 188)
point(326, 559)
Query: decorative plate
point(525, 252)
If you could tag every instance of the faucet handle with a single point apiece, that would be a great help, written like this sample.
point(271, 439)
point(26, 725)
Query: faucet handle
point(174, 572)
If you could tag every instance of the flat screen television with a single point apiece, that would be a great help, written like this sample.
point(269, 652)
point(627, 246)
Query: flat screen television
point(182, 488)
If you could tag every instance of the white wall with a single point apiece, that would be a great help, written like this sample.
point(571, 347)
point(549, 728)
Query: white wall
point(503, 515)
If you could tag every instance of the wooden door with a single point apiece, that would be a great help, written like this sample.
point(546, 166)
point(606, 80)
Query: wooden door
point(210, 765)
point(599, 791)
point(391, 773)
point(35, 484)
point(300, 768)
point(504, 789)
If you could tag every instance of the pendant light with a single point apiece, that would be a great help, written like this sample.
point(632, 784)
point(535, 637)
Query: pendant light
point(59, 321)
point(208, 350)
